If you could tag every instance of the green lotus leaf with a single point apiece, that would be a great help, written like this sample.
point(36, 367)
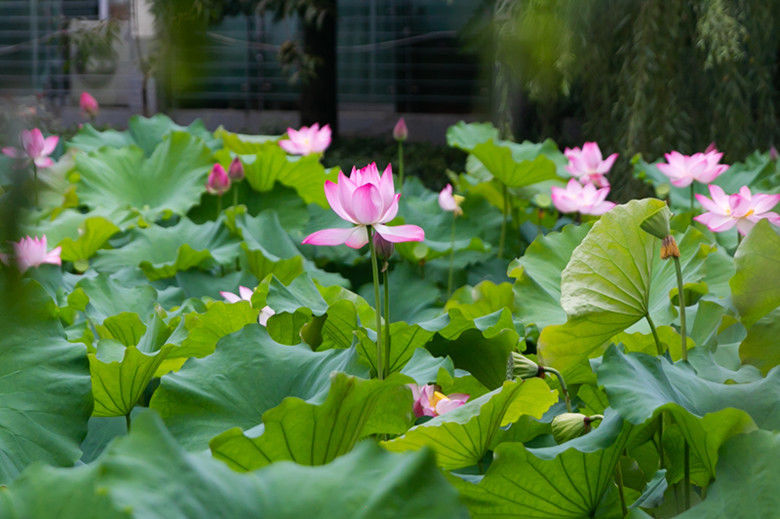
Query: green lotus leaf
point(133, 479)
point(761, 347)
point(538, 276)
point(44, 380)
point(172, 179)
point(530, 483)
point(615, 278)
point(247, 375)
point(747, 480)
point(424, 368)
point(461, 437)
point(482, 299)
point(243, 144)
point(204, 330)
point(161, 252)
point(465, 136)
point(108, 296)
point(88, 139)
point(93, 234)
point(653, 494)
point(404, 341)
point(271, 164)
point(313, 433)
point(755, 286)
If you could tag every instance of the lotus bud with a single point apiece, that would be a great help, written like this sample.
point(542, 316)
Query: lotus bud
point(773, 155)
point(384, 249)
point(89, 105)
point(520, 366)
point(669, 248)
point(567, 426)
point(218, 182)
point(236, 170)
point(400, 132)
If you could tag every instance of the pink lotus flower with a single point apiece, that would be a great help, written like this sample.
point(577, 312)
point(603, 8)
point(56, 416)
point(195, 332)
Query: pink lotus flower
point(35, 147)
point(236, 170)
point(89, 105)
point(307, 140)
point(587, 164)
point(245, 294)
point(31, 252)
point(450, 202)
point(577, 198)
point(742, 209)
point(364, 198)
point(400, 131)
point(430, 402)
point(682, 170)
point(218, 182)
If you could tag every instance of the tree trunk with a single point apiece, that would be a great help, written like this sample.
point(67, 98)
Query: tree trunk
point(318, 93)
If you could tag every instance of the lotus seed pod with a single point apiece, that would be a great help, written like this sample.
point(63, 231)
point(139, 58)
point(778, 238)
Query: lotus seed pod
point(568, 426)
point(520, 366)
point(669, 248)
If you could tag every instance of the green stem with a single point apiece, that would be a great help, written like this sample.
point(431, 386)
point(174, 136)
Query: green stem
point(380, 370)
point(219, 206)
point(401, 165)
point(127, 421)
point(681, 300)
point(661, 440)
point(564, 389)
point(658, 345)
point(691, 198)
point(235, 195)
point(386, 283)
point(35, 184)
point(502, 239)
point(619, 479)
point(452, 258)
point(687, 474)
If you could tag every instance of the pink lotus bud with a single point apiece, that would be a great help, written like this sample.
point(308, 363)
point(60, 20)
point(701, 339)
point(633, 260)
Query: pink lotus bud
point(400, 132)
point(219, 181)
point(773, 155)
point(384, 249)
point(711, 148)
point(236, 170)
point(89, 105)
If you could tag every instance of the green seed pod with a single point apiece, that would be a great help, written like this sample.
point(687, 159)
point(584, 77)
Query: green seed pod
point(520, 366)
point(568, 426)
point(657, 223)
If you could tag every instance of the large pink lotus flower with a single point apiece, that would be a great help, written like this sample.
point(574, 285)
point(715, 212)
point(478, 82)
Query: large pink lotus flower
point(682, 170)
point(364, 198)
point(742, 209)
point(577, 198)
point(35, 147)
point(430, 402)
point(89, 105)
point(245, 294)
point(587, 164)
point(307, 140)
point(218, 182)
point(31, 252)
point(450, 202)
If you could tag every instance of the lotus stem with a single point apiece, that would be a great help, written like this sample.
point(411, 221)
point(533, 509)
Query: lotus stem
point(35, 184)
point(681, 300)
point(380, 371)
point(401, 165)
point(452, 258)
point(619, 479)
point(564, 389)
point(658, 345)
point(691, 196)
point(661, 440)
point(127, 421)
point(386, 286)
point(219, 206)
point(235, 195)
point(687, 474)
point(502, 238)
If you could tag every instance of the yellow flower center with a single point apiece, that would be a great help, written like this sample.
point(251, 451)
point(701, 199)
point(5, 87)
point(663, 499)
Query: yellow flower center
point(438, 397)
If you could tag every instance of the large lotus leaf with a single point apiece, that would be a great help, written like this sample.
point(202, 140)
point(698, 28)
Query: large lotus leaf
point(204, 330)
point(171, 179)
point(44, 383)
point(163, 251)
point(247, 375)
point(146, 475)
point(461, 437)
point(756, 286)
point(92, 235)
point(513, 166)
point(615, 278)
point(311, 433)
point(482, 299)
point(708, 413)
point(465, 136)
point(532, 483)
point(88, 139)
point(404, 341)
point(108, 296)
point(538, 274)
point(747, 480)
point(271, 164)
point(243, 144)
point(424, 368)
point(761, 347)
